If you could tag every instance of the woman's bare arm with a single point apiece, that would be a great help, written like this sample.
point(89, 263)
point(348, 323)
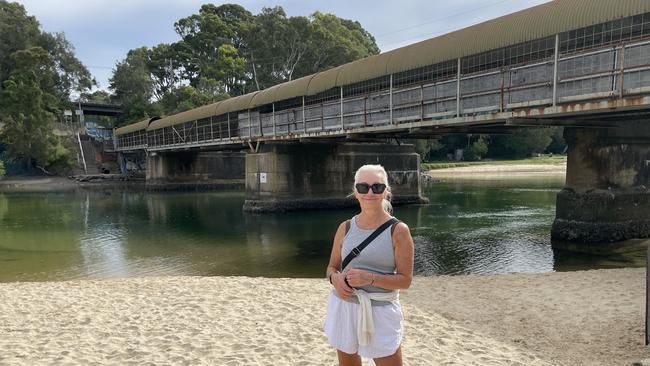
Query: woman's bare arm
point(332, 272)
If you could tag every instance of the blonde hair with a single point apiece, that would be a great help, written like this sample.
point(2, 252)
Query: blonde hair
point(383, 176)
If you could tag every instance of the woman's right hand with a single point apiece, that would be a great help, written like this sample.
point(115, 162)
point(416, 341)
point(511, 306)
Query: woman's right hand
point(338, 280)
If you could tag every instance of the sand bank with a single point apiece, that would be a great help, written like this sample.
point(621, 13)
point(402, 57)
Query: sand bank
point(583, 318)
point(498, 171)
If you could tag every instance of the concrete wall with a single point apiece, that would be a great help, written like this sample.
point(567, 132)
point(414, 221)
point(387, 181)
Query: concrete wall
point(283, 177)
point(194, 170)
point(606, 197)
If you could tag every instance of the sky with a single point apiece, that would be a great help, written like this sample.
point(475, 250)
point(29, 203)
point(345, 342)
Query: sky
point(103, 31)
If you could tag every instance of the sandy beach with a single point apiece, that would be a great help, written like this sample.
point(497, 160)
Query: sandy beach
point(573, 318)
point(499, 171)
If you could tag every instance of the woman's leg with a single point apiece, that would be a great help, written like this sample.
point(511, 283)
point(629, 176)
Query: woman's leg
point(393, 360)
point(346, 359)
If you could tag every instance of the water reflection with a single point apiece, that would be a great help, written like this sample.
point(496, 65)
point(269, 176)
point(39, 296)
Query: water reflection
point(469, 227)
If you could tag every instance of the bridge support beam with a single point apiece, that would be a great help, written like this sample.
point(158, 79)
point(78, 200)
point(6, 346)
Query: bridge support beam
point(195, 170)
point(289, 177)
point(606, 197)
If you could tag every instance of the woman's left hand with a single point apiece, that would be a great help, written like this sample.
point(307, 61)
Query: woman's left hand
point(358, 277)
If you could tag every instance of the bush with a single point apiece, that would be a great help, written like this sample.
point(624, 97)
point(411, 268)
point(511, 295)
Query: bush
point(476, 151)
point(2, 170)
point(523, 142)
point(558, 144)
point(60, 160)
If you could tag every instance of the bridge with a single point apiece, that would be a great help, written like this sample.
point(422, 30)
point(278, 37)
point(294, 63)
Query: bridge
point(100, 108)
point(581, 64)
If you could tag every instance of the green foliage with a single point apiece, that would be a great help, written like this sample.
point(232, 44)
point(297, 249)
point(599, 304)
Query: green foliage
point(204, 61)
point(226, 50)
point(70, 74)
point(281, 48)
point(162, 63)
point(38, 72)
point(60, 161)
point(335, 41)
point(221, 75)
point(184, 98)
point(448, 144)
point(476, 151)
point(558, 144)
point(101, 96)
point(26, 108)
point(133, 86)
point(424, 147)
point(2, 169)
point(523, 142)
point(18, 31)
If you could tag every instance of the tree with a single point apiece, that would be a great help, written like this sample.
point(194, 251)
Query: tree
point(209, 60)
point(523, 142)
point(19, 31)
point(558, 144)
point(27, 112)
point(275, 46)
point(38, 73)
point(424, 147)
point(133, 86)
point(225, 50)
point(476, 150)
point(163, 64)
point(281, 48)
point(185, 98)
point(334, 41)
point(222, 74)
point(448, 144)
point(101, 96)
point(70, 74)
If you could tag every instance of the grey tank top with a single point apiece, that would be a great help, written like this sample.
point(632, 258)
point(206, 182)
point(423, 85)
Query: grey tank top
point(377, 257)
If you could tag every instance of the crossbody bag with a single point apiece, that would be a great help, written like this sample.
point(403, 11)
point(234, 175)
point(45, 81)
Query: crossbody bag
point(357, 250)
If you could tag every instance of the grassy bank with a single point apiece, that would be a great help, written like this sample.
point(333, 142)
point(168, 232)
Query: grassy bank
point(542, 160)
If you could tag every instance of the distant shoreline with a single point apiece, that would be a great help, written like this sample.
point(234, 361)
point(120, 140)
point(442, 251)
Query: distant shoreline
point(483, 171)
point(13, 184)
point(499, 171)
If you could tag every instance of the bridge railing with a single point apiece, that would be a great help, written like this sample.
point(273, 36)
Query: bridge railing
point(584, 76)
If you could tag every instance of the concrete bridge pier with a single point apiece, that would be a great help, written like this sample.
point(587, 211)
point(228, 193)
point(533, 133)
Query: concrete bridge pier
point(292, 176)
point(606, 198)
point(195, 170)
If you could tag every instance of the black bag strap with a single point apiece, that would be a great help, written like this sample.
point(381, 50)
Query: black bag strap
point(356, 251)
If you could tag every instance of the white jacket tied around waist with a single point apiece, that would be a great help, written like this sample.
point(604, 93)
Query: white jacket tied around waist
point(365, 324)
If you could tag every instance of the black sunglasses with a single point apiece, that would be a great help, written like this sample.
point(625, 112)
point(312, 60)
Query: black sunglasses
point(363, 188)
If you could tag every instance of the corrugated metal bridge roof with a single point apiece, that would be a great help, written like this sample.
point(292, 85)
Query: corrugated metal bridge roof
point(533, 23)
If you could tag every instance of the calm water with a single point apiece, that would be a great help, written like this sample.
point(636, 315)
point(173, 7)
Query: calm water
point(469, 227)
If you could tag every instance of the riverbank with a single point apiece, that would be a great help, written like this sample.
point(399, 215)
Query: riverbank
point(483, 171)
point(585, 318)
point(499, 171)
point(65, 184)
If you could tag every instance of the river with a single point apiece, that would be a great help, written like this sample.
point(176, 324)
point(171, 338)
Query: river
point(470, 226)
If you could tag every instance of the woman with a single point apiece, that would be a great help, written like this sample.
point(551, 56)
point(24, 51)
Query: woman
point(383, 267)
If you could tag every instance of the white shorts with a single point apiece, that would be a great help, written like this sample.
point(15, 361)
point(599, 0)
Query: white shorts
point(341, 328)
